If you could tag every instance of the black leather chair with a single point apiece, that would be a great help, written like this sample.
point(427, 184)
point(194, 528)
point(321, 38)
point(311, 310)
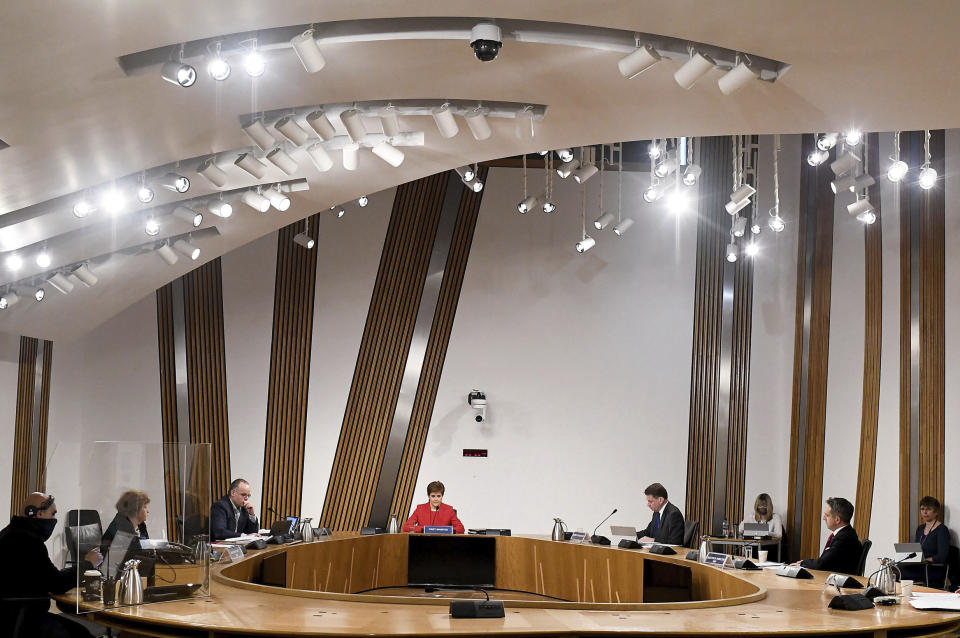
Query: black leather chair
point(691, 533)
point(83, 530)
point(862, 565)
point(942, 574)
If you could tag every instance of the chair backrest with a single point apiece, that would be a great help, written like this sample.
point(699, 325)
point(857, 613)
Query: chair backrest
point(862, 565)
point(691, 532)
point(76, 518)
point(83, 529)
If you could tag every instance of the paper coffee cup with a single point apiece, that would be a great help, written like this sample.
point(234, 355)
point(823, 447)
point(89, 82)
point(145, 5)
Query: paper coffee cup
point(762, 555)
point(906, 588)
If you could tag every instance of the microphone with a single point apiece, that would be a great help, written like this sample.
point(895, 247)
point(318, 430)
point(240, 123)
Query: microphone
point(872, 591)
point(601, 540)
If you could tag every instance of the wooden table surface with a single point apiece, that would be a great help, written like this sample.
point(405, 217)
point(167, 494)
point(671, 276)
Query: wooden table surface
point(790, 607)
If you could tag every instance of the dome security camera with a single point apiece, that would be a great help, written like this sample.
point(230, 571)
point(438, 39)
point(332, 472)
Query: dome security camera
point(486, 40)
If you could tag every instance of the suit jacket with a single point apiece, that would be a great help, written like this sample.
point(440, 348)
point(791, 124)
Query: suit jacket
point(671, 526)
point(843, 555)
point(221, 521)
point(423, 516)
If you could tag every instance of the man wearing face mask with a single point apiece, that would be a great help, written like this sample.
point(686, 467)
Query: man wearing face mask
point(32, 576)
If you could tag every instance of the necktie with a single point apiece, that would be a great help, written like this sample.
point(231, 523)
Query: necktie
point(656, 523)
point(829, 541)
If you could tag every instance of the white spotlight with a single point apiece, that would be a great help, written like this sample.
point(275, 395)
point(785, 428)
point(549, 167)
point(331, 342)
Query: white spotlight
point(585, 244)
point(897, 171)
point(256, 201)
point(624, 225)
point(739, 226)
point(61, 283)
point(641, 59)
point(755, 228)
point(864, 181)
point(187, 248)
point(257, 132)
point(446, 123)
point(852, 137)
point(564, 154)
point(218, 68)
point(776, 224)
point(817, 157)
point(188, 215)
point(350, 156)
point(83, 208)
point(843, 184)
point(691, 174)
point(279, 158)
point(927, 177)
point(737, 78)
point(353, 121)
point(152, 227)
point(827, 141)
point(145, 194)
point(585, 172)
point(277, 199)
point(8, 299)
point(752, 249)
point(252, 165)
point(254, 64)
point(39, 294)
point(390, 121)
point(654, 151)
point(466, 173)
point(43, 259)
point(693, 69)
point(476, 185)
point(308, 51)
point(291, 130)
point(179, 73)
point(221, 208)
point(362, 201)
point(731, 252)
point(174, 182)
point(112, 201)
point(528, 204)
point(677, 202)
point(846, 162)
point(168, 255)
point(549, 207)
point(389, 154)
point(212, 173)
point(735, 207)
point(339, 211)
point(14, 262)
point(478, 124)
point(320, 123)
point(303, 239)
point(667, 166)
point(652, 194)
point(860, 207)
point(743, 192)
point(320, 158)
point(603, 221)
point(566, 169)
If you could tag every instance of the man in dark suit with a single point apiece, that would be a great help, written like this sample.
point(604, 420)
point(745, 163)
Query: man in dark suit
point(666, 526)
point(233, 514)
point(842, 551)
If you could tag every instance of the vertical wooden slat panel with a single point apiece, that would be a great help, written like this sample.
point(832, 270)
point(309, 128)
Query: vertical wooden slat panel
point(168, 408)
point(292, 336)
point(23, 423)
point(44, 417)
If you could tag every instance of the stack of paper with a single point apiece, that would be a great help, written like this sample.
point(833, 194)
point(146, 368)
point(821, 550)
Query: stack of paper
point(935, 601)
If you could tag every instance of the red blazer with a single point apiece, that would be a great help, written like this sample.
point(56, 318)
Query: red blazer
point(423, 516)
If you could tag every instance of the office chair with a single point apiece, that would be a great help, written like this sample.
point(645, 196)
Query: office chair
point(941, 583)
point(83, 529)
point(691, 533)
point(862, 565)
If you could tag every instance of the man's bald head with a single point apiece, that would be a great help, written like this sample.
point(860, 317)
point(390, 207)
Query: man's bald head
point(41, 503)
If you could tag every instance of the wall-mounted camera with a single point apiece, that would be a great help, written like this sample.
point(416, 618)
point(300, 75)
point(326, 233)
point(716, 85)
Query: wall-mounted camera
point(478, 401)
point(486, 40)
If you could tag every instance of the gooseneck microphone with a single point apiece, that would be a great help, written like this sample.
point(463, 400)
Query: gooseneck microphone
point(601, 540)
point(872, 591)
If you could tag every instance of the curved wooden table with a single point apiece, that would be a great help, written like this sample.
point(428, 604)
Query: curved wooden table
point(597, 590)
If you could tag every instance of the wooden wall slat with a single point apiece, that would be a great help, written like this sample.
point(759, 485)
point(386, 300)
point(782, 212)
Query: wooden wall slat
point(44, 417)
point(168, 408)
point(23, 423)
point(290, 350)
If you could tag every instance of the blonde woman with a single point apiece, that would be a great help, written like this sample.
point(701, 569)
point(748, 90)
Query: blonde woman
point(763, 513)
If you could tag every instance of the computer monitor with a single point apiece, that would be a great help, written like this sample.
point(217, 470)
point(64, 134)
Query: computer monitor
point(451, 561)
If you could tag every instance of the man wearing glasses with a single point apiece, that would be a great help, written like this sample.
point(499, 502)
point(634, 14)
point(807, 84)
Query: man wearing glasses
point(233, 515)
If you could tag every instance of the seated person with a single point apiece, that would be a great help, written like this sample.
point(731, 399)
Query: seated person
point(434, 512)
point(131, 516)
point(233, 514)
point(934, 538)
point(763, 513)
point(666, 526)
point(31, 575)
point(841, 553)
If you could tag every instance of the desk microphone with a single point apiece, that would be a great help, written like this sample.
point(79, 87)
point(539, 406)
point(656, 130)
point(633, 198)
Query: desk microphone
point(601, 540)
point(872, 591)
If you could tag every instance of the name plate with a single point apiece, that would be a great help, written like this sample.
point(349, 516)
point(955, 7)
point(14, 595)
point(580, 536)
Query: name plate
point(232, 553)
point(438, 529)
point(578, 537)
point(716, 558)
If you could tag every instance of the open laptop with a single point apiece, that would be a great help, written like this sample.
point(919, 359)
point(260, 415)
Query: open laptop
point(756, 530)
point(905, 549)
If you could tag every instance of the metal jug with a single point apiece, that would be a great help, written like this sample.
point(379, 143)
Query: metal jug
point(886, 581)
point(393, 527)
point(559, 528)
point(131, 587)
point(308, 532)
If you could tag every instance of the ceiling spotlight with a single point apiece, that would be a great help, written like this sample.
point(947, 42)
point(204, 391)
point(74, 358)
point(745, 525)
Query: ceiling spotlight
point(277, 199)
point(927, 177)
point(8, 299)
point(257, 132)
point(739, 226)
point(654, 151)
point(188, 249)
point(549, 207)
point(652, 194)
point(352, 120)
point(864, 181)
point(319, 122)
point(221, 208)
point(585, 172)
point(524, 125)
point(476, 185)
point(897, 171)
point(291, 130)
point(677, 202)
point(827, 141)
point(691, 174)
point(362, 201)
point(735, 207)
point(279, 158)
point(178, 73)
point(168, 255)
point(144, 195)
point(256, 201)
point(188, 215)
point(845, 163)
point(14, 262)
point(254, 64)
point(83, 208)
point(218, 68)
point(112, 201)
point(731, 252)
point(252, 165)
point(152, 227)
point(737, 78)
point(745, 191)
point(39, 294)
point(466, 173)
point(641, 59)
point(340, 211)
point(389, 154)
point(307, 50)
point(861, 207)
point(667, 166)
point(477, 121)
point(320, 158)
point(585, 244)
point(852, 137)
point(752, 249)
point(85, 275)
point(693, 69)
point(213, 173)
point(776, 223)
point(174, 182)
point(303, 239)
point(843, 184)
point(867, 218)
point(603, 221)
point(817, 157)
point(566, 169)
point(350, 156)
point(528, 204)
point(43, 259)
point(755, 227)
point(61, 283)
point(446, 123)
point(623, 226)
point(564, 154)
point(390, 121)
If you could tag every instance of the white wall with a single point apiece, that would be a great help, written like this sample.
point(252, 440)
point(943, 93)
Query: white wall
point(9, 365)
point(952, 318)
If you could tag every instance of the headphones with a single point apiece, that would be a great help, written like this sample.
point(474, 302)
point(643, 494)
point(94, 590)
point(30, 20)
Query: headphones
point(31, 511)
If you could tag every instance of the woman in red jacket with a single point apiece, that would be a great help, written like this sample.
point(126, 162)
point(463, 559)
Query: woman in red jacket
point(433, 513)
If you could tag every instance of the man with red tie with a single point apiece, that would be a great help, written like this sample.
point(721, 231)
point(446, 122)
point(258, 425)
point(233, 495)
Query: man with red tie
point(842, 551)
point(433, 513)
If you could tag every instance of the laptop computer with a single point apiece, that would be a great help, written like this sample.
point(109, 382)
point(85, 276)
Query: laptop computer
point(756, 530)
point(624, 530)
point(905, 549)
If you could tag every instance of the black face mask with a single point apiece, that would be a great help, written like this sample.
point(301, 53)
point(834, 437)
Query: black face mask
point(44, 527)
point(762, 511)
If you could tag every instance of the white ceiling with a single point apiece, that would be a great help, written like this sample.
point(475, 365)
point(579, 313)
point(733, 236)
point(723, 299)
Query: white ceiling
point(74, 120)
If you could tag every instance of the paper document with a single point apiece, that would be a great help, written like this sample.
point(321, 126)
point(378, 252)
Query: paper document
point(243, 538)
point(935, 601)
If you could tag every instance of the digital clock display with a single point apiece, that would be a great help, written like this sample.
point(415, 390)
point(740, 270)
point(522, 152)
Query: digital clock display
point(475, 452)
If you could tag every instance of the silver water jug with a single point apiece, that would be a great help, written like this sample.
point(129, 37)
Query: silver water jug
point(559, 528)
point(885, 579)
point(308, 532)
point(131, 587)
point(393, 527)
